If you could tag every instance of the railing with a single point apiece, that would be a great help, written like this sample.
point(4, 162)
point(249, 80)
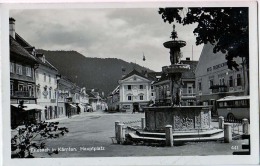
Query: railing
point(188, 94)
point(236, 128)
point(131, 126)
point(22, 94)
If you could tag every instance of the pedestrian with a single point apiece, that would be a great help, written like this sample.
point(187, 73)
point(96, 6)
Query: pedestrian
point(133, 111)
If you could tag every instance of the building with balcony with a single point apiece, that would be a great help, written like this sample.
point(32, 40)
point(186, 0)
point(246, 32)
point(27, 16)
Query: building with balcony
point(162, 86)
point(46, 87)
point(135, 91)
point(22, 80)
point(213, 78)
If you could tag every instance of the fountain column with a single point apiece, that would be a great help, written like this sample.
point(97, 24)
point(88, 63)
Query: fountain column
point(176, 69)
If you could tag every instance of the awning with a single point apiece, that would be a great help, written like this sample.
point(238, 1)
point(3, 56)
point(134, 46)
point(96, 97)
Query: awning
point(30, 107)
point(81, 106)
point(72, 105)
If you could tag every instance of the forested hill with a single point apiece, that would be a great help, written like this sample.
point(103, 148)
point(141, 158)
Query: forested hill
point(99, 73)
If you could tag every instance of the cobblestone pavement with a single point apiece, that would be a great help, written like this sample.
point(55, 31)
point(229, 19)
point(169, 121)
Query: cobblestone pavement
point(89, 136)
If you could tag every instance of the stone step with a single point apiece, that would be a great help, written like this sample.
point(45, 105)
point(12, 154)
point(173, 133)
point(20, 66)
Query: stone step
point(216, 137)
point(207, 133)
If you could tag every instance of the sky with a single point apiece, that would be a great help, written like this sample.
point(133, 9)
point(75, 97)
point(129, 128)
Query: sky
point(124, 33)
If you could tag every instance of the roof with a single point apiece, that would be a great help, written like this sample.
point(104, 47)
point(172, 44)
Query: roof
point(135, 72)
point(191, 73)
point(228, 98)
point(21, 41)
point(47, 63)
point(16, 48)
point(25, 45)
point(91, 95)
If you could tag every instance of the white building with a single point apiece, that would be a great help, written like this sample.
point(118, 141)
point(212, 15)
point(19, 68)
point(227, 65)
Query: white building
point(213, 78)
point(135, 91)
point(84, 100)
point(46, 87)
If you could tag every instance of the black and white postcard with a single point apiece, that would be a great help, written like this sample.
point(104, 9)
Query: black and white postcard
point(143, 83)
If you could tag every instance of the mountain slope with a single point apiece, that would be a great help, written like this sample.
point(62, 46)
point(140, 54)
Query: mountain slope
point(99, 73)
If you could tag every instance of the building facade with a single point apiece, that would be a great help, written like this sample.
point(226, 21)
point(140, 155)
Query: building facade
point(46, 87)
point(162, 87)
point(135, 91)
point(213, 78)
point(113, 100)
point(66, 97)
point(22, 81)
point(84, 100)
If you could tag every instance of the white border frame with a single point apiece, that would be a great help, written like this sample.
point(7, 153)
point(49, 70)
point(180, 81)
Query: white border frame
point(174, 160)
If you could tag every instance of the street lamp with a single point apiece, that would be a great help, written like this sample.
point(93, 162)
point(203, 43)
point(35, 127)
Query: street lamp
point(58, 77)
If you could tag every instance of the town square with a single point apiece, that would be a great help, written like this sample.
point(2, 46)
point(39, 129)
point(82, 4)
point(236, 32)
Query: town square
point(130, 82)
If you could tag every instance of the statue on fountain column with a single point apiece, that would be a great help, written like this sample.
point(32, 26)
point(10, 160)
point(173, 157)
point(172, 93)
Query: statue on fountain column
point(176, 90)
point(175, 55)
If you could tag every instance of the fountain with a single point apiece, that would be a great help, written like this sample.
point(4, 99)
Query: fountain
point(189, 123)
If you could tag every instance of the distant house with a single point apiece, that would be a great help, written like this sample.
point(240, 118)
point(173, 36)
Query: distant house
point(68, 97)
point(22, 81)
point(84, 100)
point(213, 78)
point(113, 100)
point(162, 86)
point(135, 91)
point(93, 99)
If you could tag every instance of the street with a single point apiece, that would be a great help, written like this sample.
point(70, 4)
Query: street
point(89, 136)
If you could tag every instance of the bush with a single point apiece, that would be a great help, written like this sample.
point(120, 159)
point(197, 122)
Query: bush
point(32, 137)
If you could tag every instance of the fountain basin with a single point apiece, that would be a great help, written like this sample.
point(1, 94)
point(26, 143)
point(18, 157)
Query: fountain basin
point(176, 68)
point(183, 118)
point(174, 43)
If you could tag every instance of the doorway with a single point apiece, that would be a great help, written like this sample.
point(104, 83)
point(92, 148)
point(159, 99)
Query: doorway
point(136, 107)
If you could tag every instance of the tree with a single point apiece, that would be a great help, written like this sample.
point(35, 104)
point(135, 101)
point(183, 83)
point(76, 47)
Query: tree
point(226, 28)
point(30, 138)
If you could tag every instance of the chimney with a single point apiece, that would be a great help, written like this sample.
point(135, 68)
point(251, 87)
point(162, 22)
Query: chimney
point(41, 57)
point(12, 27)
point(188, 59)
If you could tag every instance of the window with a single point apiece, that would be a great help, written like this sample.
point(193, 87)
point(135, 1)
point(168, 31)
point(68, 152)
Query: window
point(19, 69)
point(239, 80)
point(222, 81)
point(141, 97)
point(189, 90)
point(28, 71)
point(141, 87)
point(129, 98)
point(38, 93)
point(151, 94)
point(11, 67)
point(36, 74)
point(129, 87)
point(20, 87)
point(199, 86)
point(152, 87)
point(50, 94)
point(49, 78)
point(44, 77)
point(12, 89)
point(211, 83)
point(230, 81)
